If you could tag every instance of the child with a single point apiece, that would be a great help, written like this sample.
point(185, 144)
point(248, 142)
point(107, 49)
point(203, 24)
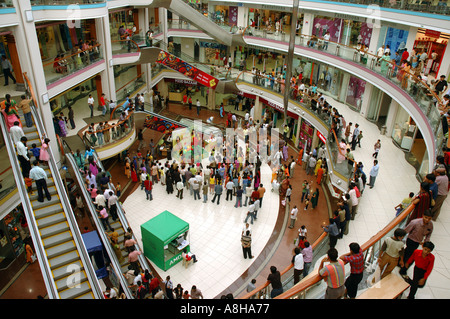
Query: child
point(306, 202)
point(43, 154)
point(35, 150)
point(118, 189)
point(360, 136)
point(399, 208)
point(302, 231)
point(186, 295)
point(93, 191)
point(29, 185)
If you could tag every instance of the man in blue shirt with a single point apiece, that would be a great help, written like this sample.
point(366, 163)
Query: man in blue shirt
point(373, 173)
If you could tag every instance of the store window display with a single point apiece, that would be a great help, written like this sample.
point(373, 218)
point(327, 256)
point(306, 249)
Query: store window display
point(13, 233)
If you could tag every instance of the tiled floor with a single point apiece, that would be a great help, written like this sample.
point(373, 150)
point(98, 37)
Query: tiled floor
point(215, 229)
point(396, 179)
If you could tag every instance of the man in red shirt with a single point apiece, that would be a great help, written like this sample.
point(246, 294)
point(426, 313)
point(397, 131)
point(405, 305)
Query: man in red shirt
point(424, 262)
point(356, 261)
point(153, 286)
point(148, 188)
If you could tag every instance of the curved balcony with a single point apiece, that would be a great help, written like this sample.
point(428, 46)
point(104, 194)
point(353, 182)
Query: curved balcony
point(44, 10)
point(403, 86)
point(125, 51)
point(112, 138)
point(70, 62)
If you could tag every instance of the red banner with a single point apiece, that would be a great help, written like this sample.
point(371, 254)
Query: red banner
point(175, 63)
point(321, 137)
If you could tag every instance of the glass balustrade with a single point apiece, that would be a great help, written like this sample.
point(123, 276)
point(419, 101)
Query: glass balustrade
point(438, 7)
point(106, 133)
point(404, 77)
point(124, 47)
point(63, 2)
point(70, 62)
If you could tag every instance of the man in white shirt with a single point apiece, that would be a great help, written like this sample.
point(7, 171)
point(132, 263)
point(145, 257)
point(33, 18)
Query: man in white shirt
point(326, 38)
point(354, 200)
point(100, 199)
point(293, 216)
point(229, 186)
point(40, 177)
point(298, 262)
point(22, 155)
point(91, 104)
point(16, 132)
point(112, 204)
point(112, 106)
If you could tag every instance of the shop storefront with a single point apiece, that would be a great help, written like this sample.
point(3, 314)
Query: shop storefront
point(404, 130)
point(355, 92)
point(74, 97)
point(13, 235)
point(126, 17)
point(62, 36)
point(435, 44)
point(305, 135)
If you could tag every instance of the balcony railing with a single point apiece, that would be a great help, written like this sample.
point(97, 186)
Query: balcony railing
point(110, 133)
point(63, 2)
point(432, 6)
point(70, 62)
point(401, 76)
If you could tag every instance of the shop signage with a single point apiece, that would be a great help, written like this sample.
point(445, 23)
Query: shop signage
point(321, 137)
point(181, 81)
point(175, 63)
point(432, 34)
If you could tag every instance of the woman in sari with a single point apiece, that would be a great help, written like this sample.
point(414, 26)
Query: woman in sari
point(385, 63)
point(320, 172)
point(11, 116)
point(315, 198)
point(318, 165)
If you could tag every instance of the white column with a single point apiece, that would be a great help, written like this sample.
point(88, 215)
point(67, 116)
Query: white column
point(390, 120)
point(366, 99)
point(31, 63)
point(373, 45)
point(242, 19)
point(307, 27)
point(163, 17)
point(412, 33)
point(104, 38)
point(187, 46)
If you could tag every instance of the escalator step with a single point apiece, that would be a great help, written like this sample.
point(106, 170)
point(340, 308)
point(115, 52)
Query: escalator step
point(54, 229)
point(52, 219)
point(57, 239)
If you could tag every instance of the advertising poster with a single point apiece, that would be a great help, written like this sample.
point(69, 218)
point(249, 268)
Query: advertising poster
point(175, 63)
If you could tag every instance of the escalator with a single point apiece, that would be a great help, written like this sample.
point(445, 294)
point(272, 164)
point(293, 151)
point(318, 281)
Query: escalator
point(60, 250)
point(200, 21)
point(120, 225)
point(117, 267)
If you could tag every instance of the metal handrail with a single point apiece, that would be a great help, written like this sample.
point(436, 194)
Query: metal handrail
point(47, 275)
point(123, 220)
point(301, 286)
point(114, 262)
point(64, 200)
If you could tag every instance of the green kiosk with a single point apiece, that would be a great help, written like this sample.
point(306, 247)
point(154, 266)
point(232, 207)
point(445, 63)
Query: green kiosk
point(164, 238)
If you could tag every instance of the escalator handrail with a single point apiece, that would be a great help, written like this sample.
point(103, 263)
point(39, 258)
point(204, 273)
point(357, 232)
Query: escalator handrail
point(83, 254)
point(46, 272)
point(364, 247)
point(112, 256)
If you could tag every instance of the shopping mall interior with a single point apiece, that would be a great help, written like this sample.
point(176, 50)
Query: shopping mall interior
point(117, 89)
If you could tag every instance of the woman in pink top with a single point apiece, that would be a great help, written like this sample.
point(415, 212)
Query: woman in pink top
point(43, 153)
